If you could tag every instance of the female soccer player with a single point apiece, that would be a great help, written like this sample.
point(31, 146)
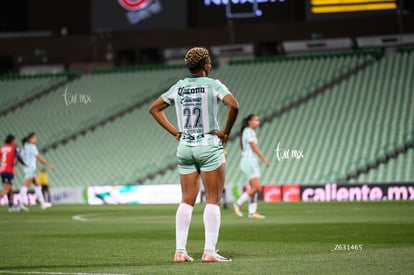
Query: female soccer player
point(8, 156)
point(200, 152)
point(30, 155)
point(250, 166)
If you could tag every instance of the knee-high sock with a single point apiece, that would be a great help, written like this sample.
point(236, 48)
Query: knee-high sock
point(182, 225)
point(10, 197)
point(212, 221)
point(39, 194)
point(23, 193)
point(224, 196)
point(253, 204)
point(243, 198)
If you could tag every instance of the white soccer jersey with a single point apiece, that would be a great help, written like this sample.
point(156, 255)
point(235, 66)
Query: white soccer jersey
point(248, 136)
point(29, 154)
point(196, 101)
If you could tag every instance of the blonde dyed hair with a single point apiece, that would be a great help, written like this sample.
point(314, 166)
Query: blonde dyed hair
point(196, 57)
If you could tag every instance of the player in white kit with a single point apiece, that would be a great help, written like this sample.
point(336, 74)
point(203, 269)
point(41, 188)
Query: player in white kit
point(249, 164)
point(30, 155)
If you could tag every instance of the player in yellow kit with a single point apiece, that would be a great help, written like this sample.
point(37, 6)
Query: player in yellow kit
point(44, 182)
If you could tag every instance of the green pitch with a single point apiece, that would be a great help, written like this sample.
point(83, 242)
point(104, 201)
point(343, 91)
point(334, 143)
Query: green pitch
point(299, 238)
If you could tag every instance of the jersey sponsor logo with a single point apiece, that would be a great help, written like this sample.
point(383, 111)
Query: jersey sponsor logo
point(140, 10)
point(190, 137)
point(190, 91)
point(190, 101)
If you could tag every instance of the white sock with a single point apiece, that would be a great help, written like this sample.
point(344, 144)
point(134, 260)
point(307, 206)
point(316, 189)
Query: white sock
point(243, 198)
point(212, 226)
point(39, 194)
point(23, 193)
point(253, 204)
point(182, 225)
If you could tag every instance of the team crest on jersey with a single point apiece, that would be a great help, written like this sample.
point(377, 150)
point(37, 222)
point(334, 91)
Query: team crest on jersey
point(139, 10)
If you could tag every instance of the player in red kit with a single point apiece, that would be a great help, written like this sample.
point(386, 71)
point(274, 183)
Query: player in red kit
point(8, 155)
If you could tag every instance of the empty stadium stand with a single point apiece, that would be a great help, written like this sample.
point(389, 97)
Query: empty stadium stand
point(350, 113)
point(16, 92)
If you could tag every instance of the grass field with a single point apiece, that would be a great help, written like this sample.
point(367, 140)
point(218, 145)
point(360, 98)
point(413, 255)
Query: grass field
point(295, 238)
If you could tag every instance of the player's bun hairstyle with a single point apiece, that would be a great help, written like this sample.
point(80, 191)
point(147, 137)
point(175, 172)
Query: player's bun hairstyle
point(26, 139)
point(195, 58)
point(9, 139)
point(245, 124)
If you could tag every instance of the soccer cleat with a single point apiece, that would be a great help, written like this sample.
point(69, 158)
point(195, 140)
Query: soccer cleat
point(181, 257)
point(23, 208)
point(46, 205)
point(11, 209)
point(256, 216)
point(213, 258)
point(237, 210)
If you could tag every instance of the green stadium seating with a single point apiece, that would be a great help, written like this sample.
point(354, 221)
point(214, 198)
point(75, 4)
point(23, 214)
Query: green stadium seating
point(348, 126)
point(53, 118)
point(14, 90)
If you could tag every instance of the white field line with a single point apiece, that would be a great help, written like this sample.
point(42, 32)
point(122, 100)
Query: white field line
point(82, 218)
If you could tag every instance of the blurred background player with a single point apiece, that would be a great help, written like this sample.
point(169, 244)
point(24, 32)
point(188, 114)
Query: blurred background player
point(44, 182)
point(30, 155)
point(250, 166)
point(8, 155)
point(200, 152)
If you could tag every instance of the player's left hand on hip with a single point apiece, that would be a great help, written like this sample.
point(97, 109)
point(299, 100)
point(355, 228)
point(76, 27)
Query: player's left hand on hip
point(222, 136)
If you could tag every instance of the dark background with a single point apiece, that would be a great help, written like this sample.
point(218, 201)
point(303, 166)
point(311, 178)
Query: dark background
point(109, 15)
point(201, 15)
point(68, 32)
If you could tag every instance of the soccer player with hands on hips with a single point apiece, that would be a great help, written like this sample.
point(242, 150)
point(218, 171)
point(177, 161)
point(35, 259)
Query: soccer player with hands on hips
point(200, 151)
point(250, 166)
point(30, 156)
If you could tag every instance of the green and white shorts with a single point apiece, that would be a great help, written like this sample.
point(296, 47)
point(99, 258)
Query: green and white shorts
point(250, 168)
point(199, 158)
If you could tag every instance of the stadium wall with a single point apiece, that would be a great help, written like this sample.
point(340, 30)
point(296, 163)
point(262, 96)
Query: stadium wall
point(273, 193)
point(82, 47)
point(338, 192)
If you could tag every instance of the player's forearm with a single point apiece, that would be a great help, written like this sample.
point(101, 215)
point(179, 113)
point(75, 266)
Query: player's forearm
point(231, 118)
point(42, 160)
point(257, 151)
point(263, 158)
point(19, 158)
point(161, 118)
point(233, 109)
point(156, 110)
